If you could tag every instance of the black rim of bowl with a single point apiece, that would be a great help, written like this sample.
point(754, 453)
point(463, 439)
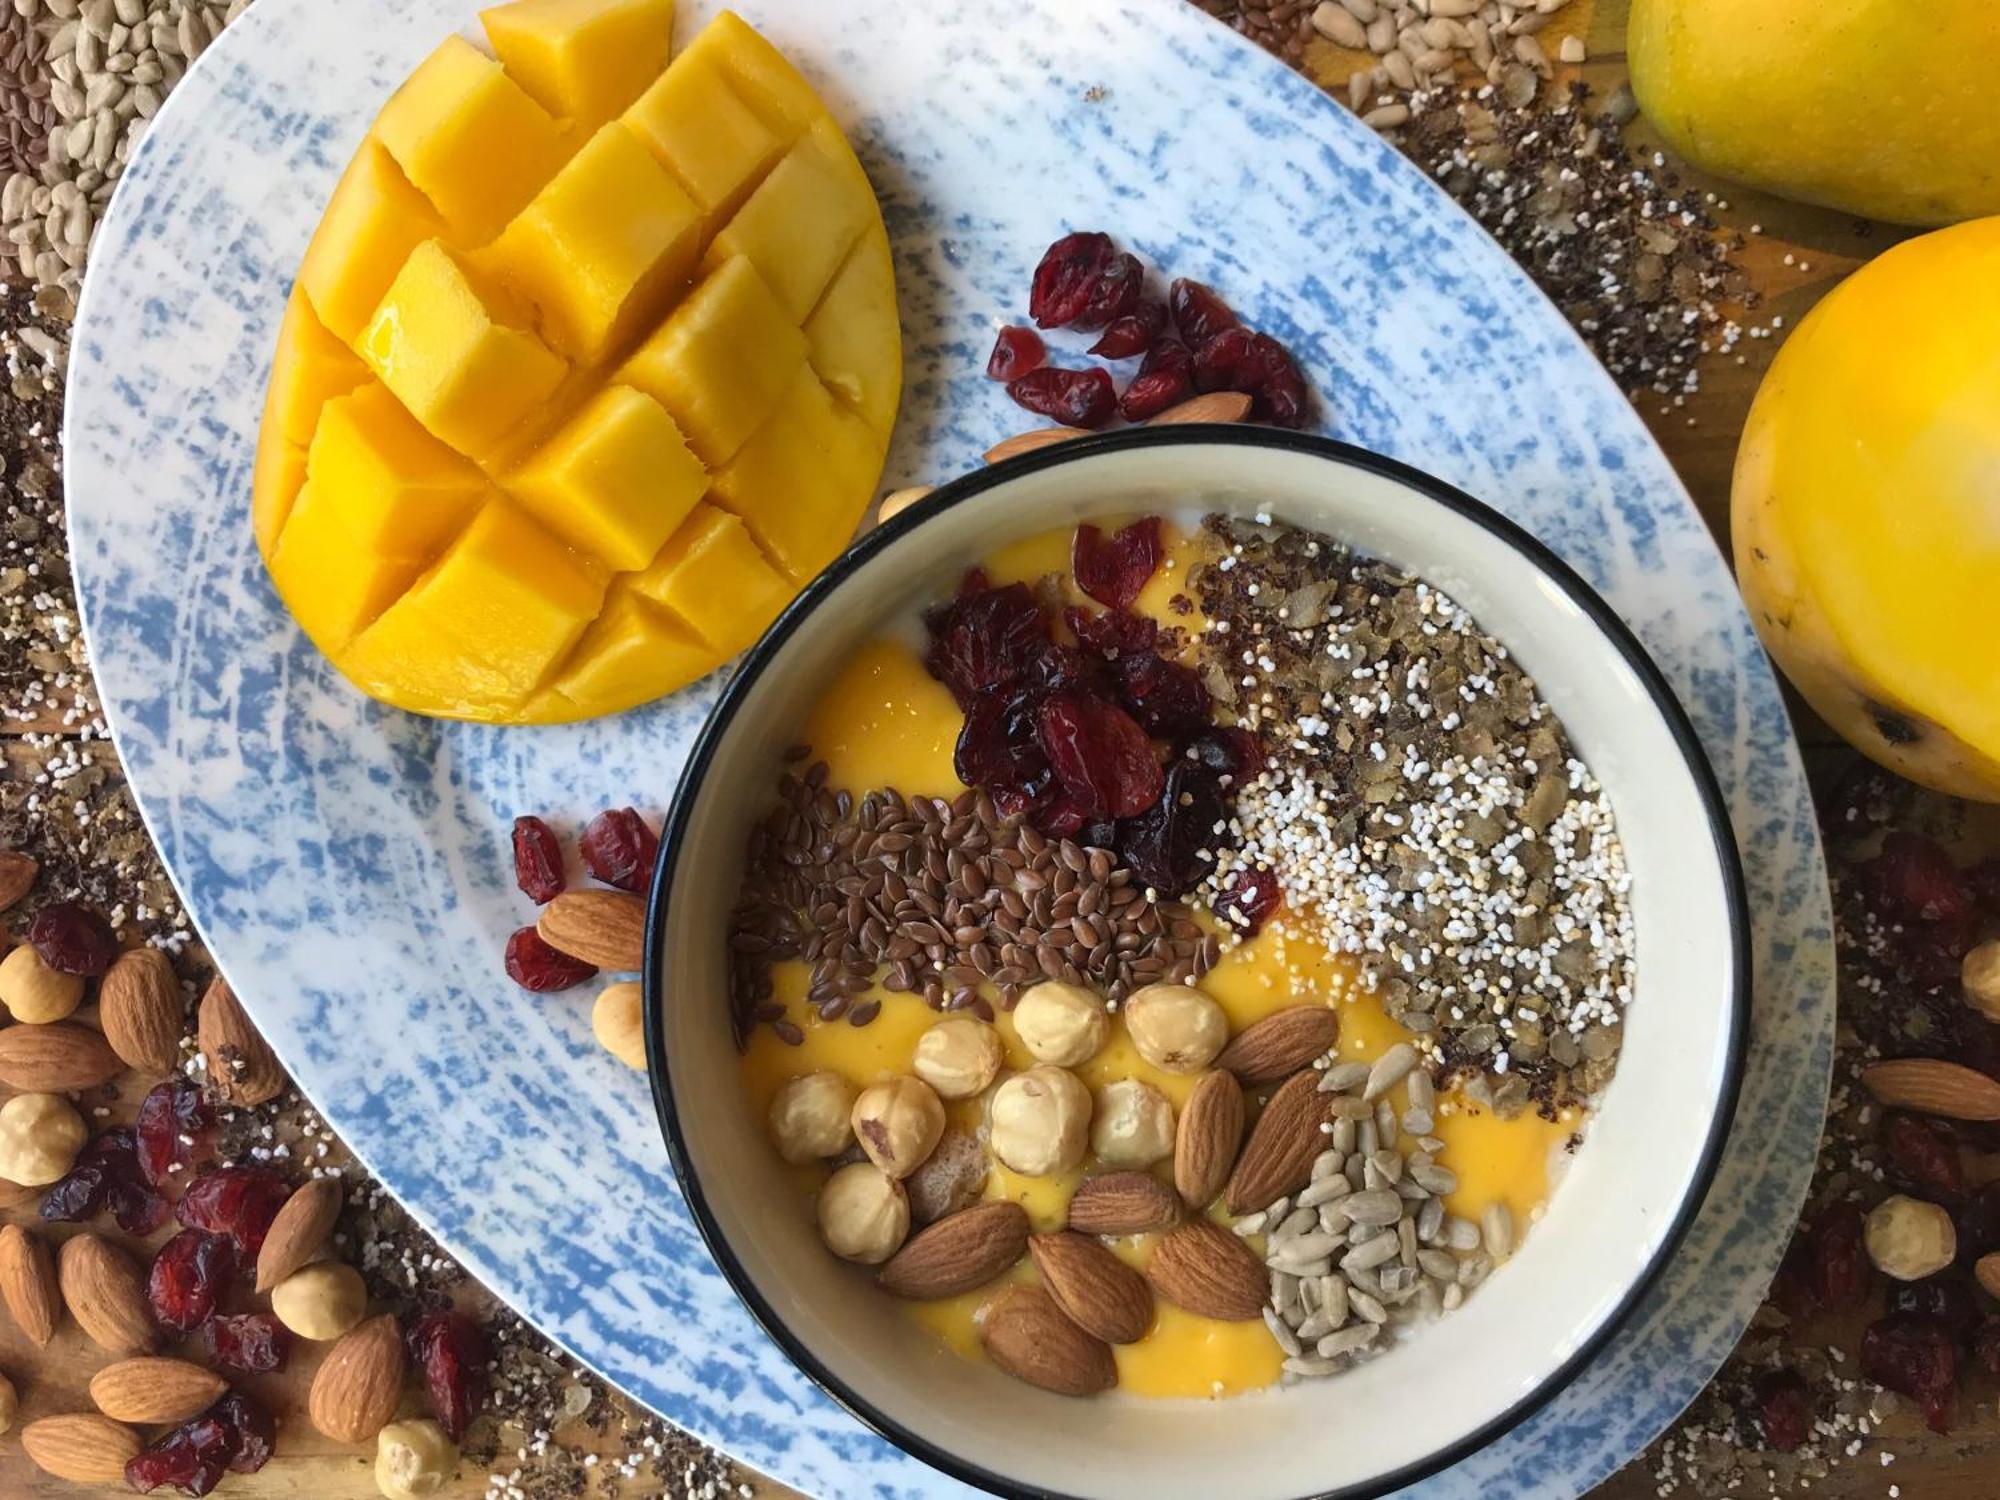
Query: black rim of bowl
point(967, 487)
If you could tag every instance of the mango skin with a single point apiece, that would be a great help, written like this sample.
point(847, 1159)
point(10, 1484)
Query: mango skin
point(1882, 108)
point(1865, 510)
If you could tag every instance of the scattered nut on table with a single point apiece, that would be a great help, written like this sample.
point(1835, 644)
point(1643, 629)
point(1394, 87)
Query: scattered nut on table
point(898, 1123)
point(413, 1459)
point(959, 1057)
point(10, 1404)
point(863, 1213)
point(1980, 974)
point(1133, 1125)
point(809, 1117)
point(1176, 1027)
point(617, 1023)
point(321, 1301)
point(1910, 1239)
point(34, 992)
point(1039, 1121)
point(1063, 1024)
point(40, 1135)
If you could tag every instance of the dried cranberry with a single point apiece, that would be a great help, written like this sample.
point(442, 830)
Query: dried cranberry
point(1984, 881)
point(1228, 362)
point(255, 1433)
point(1114, 570)
point(451, 1352)
point(1279, 390)
point(189, 1275)
point(73, 939)
point(1198, 313)
point(1067, 277)
point(255, 1343)
point(193, 1458)
point(78, 1196)
point(136, 1207)
point(538, 861)
point(985, 638)
point(1979, 1224)
point(1914, 880)
point(240, 1202)
point(1165, 380)
point(1924, 1157)
point(1163, 845)
point(1945, 1298)
point(1233, 754)
point(1016, 351)
point(1913, 1356)
point(1165, 697)
point(1119, 289)
point(620, 849)
point(996, 744)
point(534, 965)
point(1837, 1270)
point(1075, 398)
point(1100, 755)
point(1112, 633)
point(1782, 1409)
point(174, 1122)
point(1251, 897)
point(1986, 1347)
point(107, 1174)
point(1131, 333)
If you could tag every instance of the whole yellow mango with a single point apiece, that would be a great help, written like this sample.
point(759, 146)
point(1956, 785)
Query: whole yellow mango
point(1866, 509)
point(1882, 108)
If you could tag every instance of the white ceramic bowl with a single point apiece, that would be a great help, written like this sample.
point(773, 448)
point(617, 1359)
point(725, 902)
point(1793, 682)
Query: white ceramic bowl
point(1450, 1386)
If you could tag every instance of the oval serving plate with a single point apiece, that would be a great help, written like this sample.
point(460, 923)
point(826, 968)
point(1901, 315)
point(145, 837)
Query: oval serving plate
point(348, 866)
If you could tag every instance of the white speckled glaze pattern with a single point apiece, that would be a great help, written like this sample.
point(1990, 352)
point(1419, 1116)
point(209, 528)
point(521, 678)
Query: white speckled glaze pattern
point(347, 863)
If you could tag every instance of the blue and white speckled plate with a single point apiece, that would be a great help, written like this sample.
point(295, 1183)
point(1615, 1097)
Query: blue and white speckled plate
point(348, 865)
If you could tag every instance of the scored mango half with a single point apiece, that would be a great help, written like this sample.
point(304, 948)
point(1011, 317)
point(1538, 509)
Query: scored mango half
point(590, 365)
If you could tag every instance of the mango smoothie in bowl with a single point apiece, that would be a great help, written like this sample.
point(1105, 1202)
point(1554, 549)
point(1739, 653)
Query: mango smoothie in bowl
point(1146, 974)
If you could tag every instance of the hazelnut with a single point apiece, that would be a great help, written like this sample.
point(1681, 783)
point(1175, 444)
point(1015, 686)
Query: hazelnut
point(898, 1124)
point(863, 1214)
point(951, 1179)
point(1133, 1125)
point(616, 1022)
point(33, 991)
point(413, 1459)
point(808, 1117)
point(959, 1057)
point(40, 1135)
point(1061, 1024)
point(321, 1301)
point(1176, 1027)
point(1980, 973)
point(1040, 1121)
point(1910, 1239)
point(10, 1404)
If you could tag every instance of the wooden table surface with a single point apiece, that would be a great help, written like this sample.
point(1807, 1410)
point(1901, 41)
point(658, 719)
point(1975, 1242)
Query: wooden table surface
point(1700, 438)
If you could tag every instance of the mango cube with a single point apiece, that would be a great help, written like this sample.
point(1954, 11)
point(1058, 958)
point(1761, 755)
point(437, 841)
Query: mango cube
point(396, 489)
point(616, 480)
point(372, 223)
point(472, 381)
point(711, 575)
point(704, 133)
point(802, 482)
point(277, 474)
point(798, 226)
point(581, 60)
point(758, 71)
point(408, 659)
point(470, 139)
point(721, 361)
point(334, 585)
point(635, 652)
point(310, 367)
point(852, 335)
point(603, 248)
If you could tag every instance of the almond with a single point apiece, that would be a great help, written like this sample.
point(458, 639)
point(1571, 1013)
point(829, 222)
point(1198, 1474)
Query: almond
point(605, 928)
point(1028, 442)
point(1204, 1268)
point(1216, 406)
point(299, 1230)
point(1987, 1269)
point(139, 1005)
point(1032, 1339)
point(1123, 1203)
point(28, 1284)
point(146, 1391)
point(82, 1447)
point(958, 1253)
point(1278, 1157)
point(1102, 1295)
point(105, 1294)
point(1208, 1137)
point(241, 1067)
point(359, 1382)
point(60, 1057)
point(17, 876)
point(1928, 1085)
point(1280, 1044)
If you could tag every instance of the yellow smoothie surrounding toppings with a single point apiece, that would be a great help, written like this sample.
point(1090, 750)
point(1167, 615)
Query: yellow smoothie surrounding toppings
point(590, 365)
point(1118, 1079)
